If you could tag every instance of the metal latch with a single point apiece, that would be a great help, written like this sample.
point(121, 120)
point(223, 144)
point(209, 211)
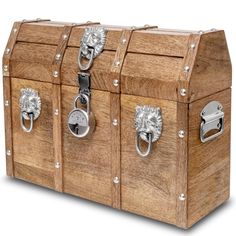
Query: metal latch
point(212, 121)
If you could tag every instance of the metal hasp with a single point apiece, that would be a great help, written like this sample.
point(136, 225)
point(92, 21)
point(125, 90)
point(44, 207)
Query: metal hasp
point(30, 107)
point(92, 44)
point(148, 124)
point(212, 120)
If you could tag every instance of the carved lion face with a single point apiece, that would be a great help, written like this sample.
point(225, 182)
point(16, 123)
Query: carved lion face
point(148, 120)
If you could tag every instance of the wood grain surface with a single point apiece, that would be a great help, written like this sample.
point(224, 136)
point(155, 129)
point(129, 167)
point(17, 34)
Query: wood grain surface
point(87, 162)
point(33, 152)
point(148, 185)
point(208, 163)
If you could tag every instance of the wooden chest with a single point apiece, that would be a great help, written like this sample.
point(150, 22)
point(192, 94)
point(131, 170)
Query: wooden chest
point(156, 141)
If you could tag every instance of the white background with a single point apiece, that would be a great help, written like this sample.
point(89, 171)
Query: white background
point(26, 209)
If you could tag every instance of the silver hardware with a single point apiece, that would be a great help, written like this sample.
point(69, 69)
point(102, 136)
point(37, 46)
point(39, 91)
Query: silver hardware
point(55, 74)
point(64, 36)
point(182, 197)
point(6, 103)
point(117, 63)
point(186, 69)
point(183, 92)
point(81, 122)
point(116, 82)
point(123, 41)
point(115, 122)
point(212, 119)
point(193, 45)
point(56, 112)
point(7, 51)
point(8, 152)
point(200, 31)
point(58, 56)
point(181, 133)
point(148, 124)
point(92, 44)
point(116, 180)
point(57, 165)
point(14, 30)
point(30, 106)
point(5, 68)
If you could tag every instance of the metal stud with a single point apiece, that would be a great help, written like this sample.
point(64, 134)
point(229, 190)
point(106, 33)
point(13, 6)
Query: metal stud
point(186, 69)
point(56, 112)
point(6, 103)
point(200, 31)
point(8, 152)
point(183, 92)
point(117, 63)
point(115, 122)
point(57, 165)
point(65, 36)
point(7, 51)
point(55, 74)
point(123, 41)
point(182, 197)
point(14, 30)
point(116, 180)
point(193, 45)
point(181, 133)
point(116, 82)
point(58, 56)
point(5, 68)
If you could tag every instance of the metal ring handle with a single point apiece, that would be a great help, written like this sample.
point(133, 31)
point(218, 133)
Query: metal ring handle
point(137, 144)
point(86, 66)
point(31, 116)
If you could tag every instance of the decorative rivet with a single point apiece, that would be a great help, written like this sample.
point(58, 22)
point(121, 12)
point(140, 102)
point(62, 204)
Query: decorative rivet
point(57, 165)
point(181, 133)
point(183, 92)
point(182, 197)
point(116, 180)
point(7, 51)
point(115, 122)
point(58, 56)
point(186, 69)
point(55, 74)
point(8, 152)
point(5, 68)
point(117, 63)
point(193, 45)
point(56, 112)
point(14, 30)
point(6, 103)
point(116, 82)
point(65, 36)
point(123, 41)
point(200, 31)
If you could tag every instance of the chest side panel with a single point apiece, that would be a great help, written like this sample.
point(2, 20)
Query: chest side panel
point(148, 185)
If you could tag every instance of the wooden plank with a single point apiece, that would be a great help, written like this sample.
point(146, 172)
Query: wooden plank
point(57, 137)
point(212, 70)
point(35, 149)
point(87, 161)
point(151, 76)
point(33, 61)
point(101, 78)
point(115, 147)
point(158, 44)
point(8, 126)
point(182, 165)
point(208, 163)
point(148, 185)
